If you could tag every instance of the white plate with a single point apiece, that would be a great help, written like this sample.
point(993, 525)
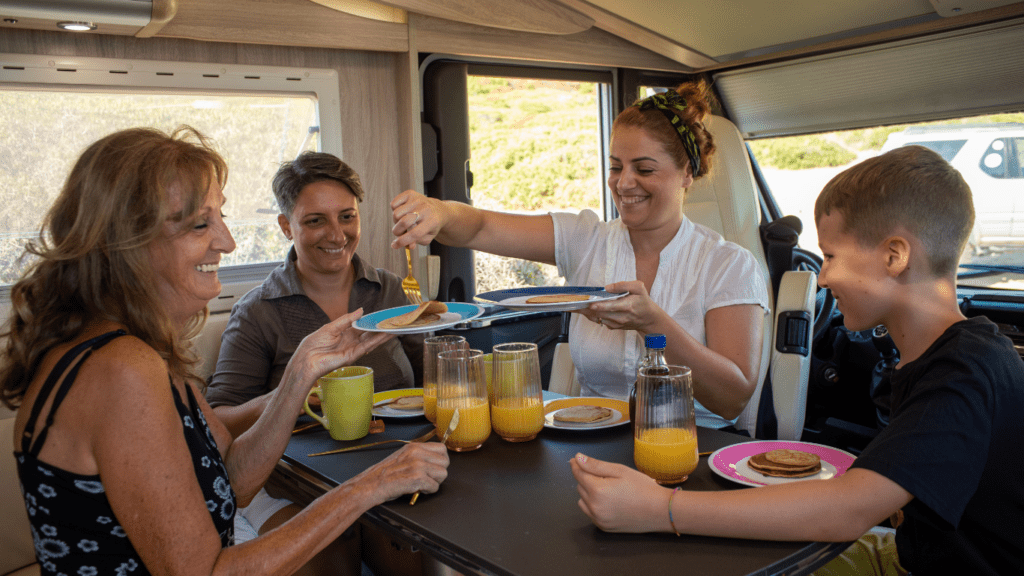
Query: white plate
point(381, 400)
point(619, 408)
point(731, 462)
point(516, 298)
point(458, 312)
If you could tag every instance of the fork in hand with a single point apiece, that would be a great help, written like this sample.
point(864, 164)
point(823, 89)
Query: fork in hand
point(409, 284)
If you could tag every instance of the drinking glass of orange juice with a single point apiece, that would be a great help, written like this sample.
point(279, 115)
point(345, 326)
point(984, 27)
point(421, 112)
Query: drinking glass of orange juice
point(517, 409)
point(665, 435)
point(431, 348)
point(461, 384)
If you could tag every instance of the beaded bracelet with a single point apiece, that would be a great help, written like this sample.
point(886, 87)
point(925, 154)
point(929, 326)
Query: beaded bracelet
point(670, 521)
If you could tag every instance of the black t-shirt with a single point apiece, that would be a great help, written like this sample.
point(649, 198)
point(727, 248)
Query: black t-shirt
point(956, 443)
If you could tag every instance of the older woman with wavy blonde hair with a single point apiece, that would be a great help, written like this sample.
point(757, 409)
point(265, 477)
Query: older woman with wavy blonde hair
point(123, 465)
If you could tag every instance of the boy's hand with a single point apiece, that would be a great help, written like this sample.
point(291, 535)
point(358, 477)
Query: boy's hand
point(618, 498)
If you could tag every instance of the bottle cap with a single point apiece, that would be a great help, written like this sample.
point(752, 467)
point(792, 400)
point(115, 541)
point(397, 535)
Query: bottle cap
point(654, 341)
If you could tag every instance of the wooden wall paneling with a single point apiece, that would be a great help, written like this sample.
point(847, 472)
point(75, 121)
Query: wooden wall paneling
point(540, 16)
point(283, 22)
point(372, 144)
point(592, 47)
point(162, 13)
point(410, 131)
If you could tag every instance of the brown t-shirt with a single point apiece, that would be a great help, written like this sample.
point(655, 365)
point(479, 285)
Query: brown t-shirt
point(268, 323)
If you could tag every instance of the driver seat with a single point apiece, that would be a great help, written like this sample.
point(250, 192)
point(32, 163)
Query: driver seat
point(727, 201)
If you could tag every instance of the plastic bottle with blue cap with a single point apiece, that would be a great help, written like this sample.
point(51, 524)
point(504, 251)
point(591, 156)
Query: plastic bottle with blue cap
point(654, 355)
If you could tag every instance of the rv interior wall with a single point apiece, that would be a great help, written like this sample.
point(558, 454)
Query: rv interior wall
point(374, 130)
point(380, 92)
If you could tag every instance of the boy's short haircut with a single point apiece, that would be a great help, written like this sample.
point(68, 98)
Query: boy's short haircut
point(912, 187)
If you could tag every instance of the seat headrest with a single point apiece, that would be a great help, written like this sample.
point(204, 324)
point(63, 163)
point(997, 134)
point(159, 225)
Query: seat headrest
point(726, 199)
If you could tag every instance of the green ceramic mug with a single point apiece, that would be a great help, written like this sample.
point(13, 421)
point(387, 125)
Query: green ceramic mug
point(346, 398)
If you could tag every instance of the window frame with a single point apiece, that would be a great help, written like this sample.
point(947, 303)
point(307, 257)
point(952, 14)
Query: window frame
point(443, 133)
point(86, 74)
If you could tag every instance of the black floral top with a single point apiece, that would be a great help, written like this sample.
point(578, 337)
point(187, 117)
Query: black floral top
point(74, 528)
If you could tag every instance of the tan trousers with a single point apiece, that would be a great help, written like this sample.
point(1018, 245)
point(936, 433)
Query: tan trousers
point(873, 553)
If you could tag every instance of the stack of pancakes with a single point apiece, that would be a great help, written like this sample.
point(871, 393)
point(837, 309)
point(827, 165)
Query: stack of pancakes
point(785, 463)
point(425, 313)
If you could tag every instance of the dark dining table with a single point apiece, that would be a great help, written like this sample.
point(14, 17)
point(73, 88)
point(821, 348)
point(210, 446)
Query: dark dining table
point(511, 508)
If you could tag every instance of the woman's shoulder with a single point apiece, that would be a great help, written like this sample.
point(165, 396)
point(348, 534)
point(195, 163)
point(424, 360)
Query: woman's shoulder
point(573, 227)
point(125, 359)
point(124, 370)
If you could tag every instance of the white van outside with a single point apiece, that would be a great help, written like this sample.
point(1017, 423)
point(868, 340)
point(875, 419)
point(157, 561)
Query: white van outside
point(991, 159)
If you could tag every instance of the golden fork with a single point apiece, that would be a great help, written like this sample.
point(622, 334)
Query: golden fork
point(423, 438)
point(409, 284)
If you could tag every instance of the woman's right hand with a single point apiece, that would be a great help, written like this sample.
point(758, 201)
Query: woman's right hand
point(418, 219)
point(334, 345)
point(419, 467)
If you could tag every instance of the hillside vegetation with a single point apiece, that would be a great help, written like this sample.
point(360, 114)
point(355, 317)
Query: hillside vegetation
point(841, 148)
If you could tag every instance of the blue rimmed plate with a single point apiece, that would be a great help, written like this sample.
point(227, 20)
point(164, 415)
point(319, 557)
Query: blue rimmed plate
point(458, 312)
point(516, 298)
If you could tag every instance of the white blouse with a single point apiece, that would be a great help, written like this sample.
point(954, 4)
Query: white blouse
point(697, 271)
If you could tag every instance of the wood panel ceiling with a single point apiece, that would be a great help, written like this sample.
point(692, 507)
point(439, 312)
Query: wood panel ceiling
point(684, 34)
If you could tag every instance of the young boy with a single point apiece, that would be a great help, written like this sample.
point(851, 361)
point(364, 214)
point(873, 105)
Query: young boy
point(891, 230)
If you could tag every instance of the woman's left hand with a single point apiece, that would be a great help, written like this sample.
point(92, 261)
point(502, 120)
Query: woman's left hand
point(335, 345)
point(637, 311)
point(618, 498)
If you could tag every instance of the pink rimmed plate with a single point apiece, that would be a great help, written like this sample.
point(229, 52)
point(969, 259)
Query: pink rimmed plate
point(731, 462)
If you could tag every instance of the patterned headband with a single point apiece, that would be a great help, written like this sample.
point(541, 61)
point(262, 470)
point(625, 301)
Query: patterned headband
point(669, 103)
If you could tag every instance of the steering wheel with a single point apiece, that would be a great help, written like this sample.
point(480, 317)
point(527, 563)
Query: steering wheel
point(824, 302)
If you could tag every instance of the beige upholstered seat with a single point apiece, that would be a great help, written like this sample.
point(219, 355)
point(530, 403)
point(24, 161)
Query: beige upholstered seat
point(727, 201)
point(17, 553)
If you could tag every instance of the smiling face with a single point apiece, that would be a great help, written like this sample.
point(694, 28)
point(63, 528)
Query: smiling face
point(324, 225)
point(856, 275)
point(646, 184)
point(187, 255)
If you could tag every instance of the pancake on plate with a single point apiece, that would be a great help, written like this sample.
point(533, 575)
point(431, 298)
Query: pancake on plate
point(785, 463)
point(406, 403)
point(557, 298)
point(583, 414)
point(426, 313)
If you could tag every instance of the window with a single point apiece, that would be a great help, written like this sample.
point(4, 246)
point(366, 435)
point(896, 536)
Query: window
point(796, 168)
point(945, 148)
point(535, 147)
point(50, 114)
point(529, 139)
point(1002, 158)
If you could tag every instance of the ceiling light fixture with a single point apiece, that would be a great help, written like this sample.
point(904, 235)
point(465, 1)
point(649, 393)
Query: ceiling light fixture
point(76, 26)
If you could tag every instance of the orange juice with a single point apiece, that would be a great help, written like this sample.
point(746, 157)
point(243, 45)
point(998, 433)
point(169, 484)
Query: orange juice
point(430, 403)
point(517, 419)
point(474, 422)
point(488, 372)
point(666, 454)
